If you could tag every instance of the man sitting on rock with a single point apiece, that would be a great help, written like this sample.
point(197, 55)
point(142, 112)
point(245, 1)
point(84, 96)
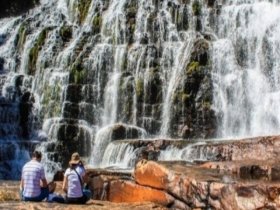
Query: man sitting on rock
point(33, 183)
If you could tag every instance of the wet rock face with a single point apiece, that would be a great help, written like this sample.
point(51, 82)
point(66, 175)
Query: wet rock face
point(194, 97)
point(16, 7)
point(2, 61)
point(120, 131)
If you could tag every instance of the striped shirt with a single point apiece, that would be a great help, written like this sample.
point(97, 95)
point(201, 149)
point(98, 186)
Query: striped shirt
point(74, 184)
point(32, 173)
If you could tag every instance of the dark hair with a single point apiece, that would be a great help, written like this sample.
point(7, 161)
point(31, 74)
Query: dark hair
point(37, 155)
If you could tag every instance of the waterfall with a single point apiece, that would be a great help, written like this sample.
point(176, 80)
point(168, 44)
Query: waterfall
point(182, 57)
point(79, 75)
point(173, 153)
point(106, 152)
point(119, 155)
point(111, 92)
point(246, 69)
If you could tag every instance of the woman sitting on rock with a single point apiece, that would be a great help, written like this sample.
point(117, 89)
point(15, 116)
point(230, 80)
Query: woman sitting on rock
point(74, 179)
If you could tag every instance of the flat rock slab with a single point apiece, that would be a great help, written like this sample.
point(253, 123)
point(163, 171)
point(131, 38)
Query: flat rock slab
point(91, 205)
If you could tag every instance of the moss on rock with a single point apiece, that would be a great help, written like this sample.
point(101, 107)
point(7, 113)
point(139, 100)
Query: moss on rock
point(97, 23)
point(192, 67)
point(51, 100)
point(33, 54)
point(77, 74)
point(21, 36)
point(139, 88)
point(83, 7)
point(196, 8)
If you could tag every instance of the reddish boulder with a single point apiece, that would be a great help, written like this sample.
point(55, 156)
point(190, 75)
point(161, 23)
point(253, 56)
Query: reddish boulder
point(127, 191)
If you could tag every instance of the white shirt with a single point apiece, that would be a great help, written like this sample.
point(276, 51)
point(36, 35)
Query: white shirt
point(74, 188)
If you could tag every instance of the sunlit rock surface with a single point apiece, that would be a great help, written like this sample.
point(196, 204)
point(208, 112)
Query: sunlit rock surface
point(184, 186)
point(241, 174)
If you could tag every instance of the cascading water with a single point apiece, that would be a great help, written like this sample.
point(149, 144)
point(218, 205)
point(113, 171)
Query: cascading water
point(119, 155)
point(246, 68)
point(83, 74)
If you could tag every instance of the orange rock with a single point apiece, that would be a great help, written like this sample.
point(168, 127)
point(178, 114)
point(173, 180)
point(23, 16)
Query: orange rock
point(127, 191)
point(152, 174)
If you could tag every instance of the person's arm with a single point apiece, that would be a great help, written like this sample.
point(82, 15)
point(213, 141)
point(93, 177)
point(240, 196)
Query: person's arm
point(64, 185)
point(83, 174)
point(21, 184)
point(44, 182)
point(85, 178)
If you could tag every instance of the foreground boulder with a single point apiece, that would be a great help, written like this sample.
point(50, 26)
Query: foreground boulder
point(208, 188)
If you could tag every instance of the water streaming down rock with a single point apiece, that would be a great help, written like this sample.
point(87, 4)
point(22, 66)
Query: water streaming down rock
point(119, 156)
point(173, 153)
point(104, 151)
point(172, 68)
point(246, 68)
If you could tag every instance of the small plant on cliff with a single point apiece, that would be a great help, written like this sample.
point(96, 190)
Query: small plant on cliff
point(196, 8)
point(192, 67)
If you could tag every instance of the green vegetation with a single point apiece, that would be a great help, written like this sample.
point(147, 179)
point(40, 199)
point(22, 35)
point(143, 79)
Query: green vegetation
point(51, 99)
point(83, 7)
point(131, 12)
point(124, 64)
point(181, 96)
point(196, 8)
point(33, 54)
point(206, 105)
point(77, 74)
point(66, 33)
point(185, 97)
point(192, 67)
point(139, 88)
point(97, 23)
point(21, 36)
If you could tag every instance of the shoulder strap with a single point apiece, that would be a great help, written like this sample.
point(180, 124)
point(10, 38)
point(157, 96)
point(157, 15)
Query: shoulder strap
point(79, 179)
